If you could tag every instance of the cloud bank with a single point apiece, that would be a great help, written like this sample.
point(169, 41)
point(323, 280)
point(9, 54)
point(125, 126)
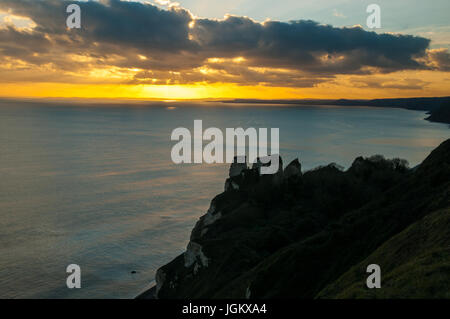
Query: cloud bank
point(139, 43)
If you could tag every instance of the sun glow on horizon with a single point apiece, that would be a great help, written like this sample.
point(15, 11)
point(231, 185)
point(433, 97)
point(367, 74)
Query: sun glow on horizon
point(381, 86)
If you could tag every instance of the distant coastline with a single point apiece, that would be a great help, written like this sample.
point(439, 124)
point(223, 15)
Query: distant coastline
point(437, 107)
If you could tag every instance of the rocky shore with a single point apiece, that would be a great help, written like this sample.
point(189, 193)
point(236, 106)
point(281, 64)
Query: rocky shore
point(312, 234)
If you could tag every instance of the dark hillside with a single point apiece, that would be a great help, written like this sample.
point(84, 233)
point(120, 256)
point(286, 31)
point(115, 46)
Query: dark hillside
point(308, 235)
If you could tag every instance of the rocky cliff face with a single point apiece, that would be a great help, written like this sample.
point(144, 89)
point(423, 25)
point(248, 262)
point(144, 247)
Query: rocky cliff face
point(301, 235)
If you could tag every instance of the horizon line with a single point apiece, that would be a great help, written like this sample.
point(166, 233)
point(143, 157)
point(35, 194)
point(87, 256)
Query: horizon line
point(225, 100)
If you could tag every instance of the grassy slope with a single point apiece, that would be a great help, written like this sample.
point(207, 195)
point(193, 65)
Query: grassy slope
point(414, 264)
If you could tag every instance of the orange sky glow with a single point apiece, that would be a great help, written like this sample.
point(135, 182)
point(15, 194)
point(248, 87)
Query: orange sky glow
point(40, 58)
point(437, 84)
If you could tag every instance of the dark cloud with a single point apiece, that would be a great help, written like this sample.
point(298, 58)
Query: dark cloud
point(167, 47)
point(134, 24)
point(309, 46)
point(439, 59)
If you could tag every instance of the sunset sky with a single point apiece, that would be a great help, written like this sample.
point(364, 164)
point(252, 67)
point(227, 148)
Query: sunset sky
point(193, 49)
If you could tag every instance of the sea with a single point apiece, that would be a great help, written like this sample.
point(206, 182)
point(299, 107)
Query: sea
point(93, 183)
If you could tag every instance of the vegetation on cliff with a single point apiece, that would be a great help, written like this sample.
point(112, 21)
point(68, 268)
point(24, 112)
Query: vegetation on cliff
point(312, 234)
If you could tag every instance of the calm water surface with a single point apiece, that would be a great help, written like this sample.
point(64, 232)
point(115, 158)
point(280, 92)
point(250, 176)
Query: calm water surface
point(95, 186)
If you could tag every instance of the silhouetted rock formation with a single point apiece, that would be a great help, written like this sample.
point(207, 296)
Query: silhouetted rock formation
point(312, 234)
point(293, 170)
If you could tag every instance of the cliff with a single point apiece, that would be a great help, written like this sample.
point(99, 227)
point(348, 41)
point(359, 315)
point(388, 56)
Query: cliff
point(441, 114)
point(312, 234)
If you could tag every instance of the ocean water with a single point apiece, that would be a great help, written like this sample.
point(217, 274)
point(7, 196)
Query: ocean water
point(94, 185)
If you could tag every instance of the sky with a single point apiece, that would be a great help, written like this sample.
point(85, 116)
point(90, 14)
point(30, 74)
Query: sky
point(194, 49)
